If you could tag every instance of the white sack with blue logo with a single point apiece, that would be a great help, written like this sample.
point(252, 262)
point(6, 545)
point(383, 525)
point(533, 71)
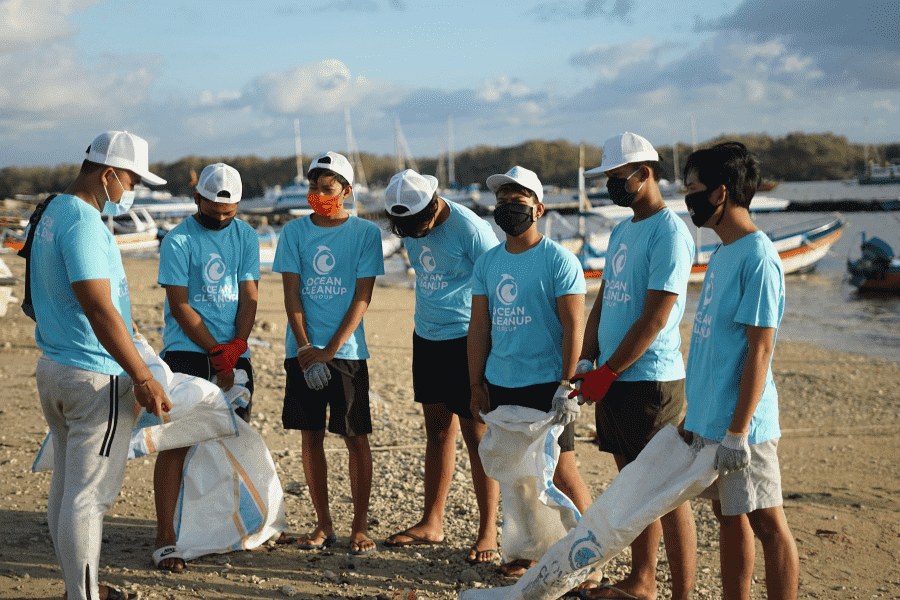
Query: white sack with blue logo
point(520, 450)
point(231, 497)
point(200, 412)
point(665, 474)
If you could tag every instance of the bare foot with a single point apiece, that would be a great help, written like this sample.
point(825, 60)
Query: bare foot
point(419, 531)
point(625, 588)
point(517, 567)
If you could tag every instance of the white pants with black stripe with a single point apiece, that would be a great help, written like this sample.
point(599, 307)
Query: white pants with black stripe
point(91, 416)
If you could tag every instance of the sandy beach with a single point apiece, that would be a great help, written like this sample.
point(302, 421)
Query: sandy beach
point(840, 460)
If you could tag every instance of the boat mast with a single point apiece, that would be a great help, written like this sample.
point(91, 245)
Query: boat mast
point(451, 167)
point(404, 157)
point(300, 176)
point(353, 155)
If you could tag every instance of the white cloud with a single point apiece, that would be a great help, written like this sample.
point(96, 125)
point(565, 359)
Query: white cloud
point(495, 89)
point(36, 22)
point(886, 105)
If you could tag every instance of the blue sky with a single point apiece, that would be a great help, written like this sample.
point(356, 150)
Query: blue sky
point(228, 77)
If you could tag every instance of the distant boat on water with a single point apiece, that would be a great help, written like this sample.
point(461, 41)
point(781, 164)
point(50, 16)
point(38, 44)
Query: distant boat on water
point(878, 174)
point(800, 248)
point(877, 270)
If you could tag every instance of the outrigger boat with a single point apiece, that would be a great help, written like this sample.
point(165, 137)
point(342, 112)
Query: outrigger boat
point(800, 247)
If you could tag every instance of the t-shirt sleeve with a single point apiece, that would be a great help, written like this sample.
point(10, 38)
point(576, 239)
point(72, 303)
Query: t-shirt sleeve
point(173, 261)
point(83, 256)
point(763, 294)
point(670, 261)
point(478, 288)
point(568, 277)
point(371, 259)
point(482, 241)
point(250, 258)
point(287, 260)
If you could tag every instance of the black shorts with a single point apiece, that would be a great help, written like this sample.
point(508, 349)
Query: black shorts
point(441, 374)
point(632, 412)
point(347, 393)
point(197, 364)
point(538, 396)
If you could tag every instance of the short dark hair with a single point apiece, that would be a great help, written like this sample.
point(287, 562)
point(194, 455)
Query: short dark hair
point(730, 164)
point(515, 187)
point(654, 167)
point(314, 175)
point(408, 225)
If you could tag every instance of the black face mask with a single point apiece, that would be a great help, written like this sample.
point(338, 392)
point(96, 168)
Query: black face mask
point(700, 208)
point(211, 223)
point(618, 192)
point(514, 219)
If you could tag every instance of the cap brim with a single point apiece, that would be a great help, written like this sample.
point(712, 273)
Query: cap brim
point(151, 179)
point(495, 181)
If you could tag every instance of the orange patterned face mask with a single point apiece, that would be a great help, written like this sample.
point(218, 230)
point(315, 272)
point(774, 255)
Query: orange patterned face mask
point(326, 206)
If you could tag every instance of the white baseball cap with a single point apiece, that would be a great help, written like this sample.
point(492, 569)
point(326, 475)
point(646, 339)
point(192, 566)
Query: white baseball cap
point(123, 150)
point(218, 178)
point(333, 162)
point(408, 193)
point(522, 176)
point(623, 149)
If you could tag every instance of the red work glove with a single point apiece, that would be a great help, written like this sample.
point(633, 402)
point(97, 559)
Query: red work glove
point(594, 384)
point(225, 356)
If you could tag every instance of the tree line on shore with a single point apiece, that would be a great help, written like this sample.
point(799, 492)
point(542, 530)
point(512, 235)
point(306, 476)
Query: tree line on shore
point(794, 157)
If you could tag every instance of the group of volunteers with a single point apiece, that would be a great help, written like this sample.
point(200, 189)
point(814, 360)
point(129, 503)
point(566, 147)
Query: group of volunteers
point(495, 324)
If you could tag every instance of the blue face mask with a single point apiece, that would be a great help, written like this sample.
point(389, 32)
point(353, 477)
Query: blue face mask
point(124, 205)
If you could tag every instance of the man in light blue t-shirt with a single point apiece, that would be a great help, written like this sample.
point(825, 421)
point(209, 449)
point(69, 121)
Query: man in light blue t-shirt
point(209, 266)
point(328, 263)
point(526, 327)
point(632, 332)
point(90, 374)
point(732, 400)
point(443, 240)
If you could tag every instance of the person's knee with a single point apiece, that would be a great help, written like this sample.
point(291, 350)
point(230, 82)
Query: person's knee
point(768, 526)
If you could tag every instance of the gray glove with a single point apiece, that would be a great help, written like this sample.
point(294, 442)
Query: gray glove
point(733, 454)
point(566, 408)
point(317, 376)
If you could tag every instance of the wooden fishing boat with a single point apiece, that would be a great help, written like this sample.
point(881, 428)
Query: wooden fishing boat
point(800, 247)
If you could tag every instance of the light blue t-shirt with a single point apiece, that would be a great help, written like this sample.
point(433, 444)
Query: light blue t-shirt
point(744, 285)
point(652, 254)
point(443, 262)
point(329, 260)
point(211, 265)
point(521, 290)
point(72, 244)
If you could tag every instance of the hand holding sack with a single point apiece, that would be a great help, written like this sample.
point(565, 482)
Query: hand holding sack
point(317, 376)
point(733, 454)
point(594, 384)
point(224, 357)
point(566, 408)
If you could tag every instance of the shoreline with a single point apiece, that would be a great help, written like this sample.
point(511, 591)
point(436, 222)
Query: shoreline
point(838, 453)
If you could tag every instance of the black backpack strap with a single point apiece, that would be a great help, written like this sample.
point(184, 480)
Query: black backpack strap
point(25, 253)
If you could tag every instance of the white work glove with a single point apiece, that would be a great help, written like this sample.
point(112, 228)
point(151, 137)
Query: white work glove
point(583, 366)
point(317, 375)
point(566, 408)
point(733, 454)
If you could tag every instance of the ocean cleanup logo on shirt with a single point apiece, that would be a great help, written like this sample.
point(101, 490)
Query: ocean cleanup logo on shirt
point(507, 317)
point(619, 259)
point(323, 287)
point(703, 321)
point(212, 292)
point(429, 282)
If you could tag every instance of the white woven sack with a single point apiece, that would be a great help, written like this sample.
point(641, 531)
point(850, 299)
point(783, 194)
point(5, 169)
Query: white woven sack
point(520, 450)
point(665, 474)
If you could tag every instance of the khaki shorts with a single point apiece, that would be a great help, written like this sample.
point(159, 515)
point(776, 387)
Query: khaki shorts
point(758, 486)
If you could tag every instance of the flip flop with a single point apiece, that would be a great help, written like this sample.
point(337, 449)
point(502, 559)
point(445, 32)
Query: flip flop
point(413, 541)
point(328, 541)
point(358, 551)
point(474, 561)
point(117, 594)
point(586, 594)
point(522, 563)
point(166, 552)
